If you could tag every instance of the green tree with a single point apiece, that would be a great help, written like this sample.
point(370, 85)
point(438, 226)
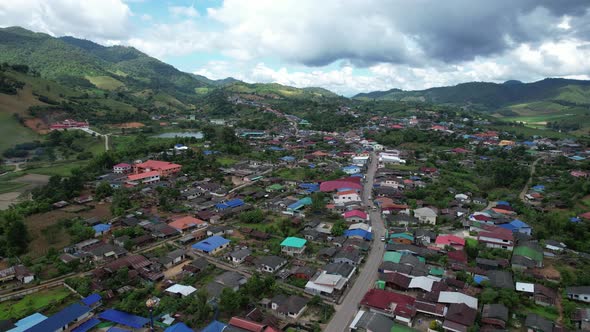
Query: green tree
point(103, 190)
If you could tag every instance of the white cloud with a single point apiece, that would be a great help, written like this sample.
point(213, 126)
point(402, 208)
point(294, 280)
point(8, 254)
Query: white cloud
point(146, 17)
point(188, 11)
point(95, 19)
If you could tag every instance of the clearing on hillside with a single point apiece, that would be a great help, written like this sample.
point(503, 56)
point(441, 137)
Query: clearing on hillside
point(105, 82)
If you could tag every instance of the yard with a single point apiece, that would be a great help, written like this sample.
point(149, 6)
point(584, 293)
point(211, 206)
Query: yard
point(33, 303)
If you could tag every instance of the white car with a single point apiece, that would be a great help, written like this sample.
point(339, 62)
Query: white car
point(383, 239)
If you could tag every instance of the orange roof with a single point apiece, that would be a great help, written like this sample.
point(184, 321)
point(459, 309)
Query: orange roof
point(502, 211)
point(346, 192)
point(185, 222)
point(157, 164)
point(320, 154)
point(135, 177)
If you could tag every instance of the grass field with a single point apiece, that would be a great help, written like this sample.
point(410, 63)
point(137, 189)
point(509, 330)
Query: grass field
point(528, 131)
point(294, 174)
point(9, 186)
point(105, 82)
point(32, 303)
point(226, 161)
point(59, 168)
point(549, 313)
point(13, 132)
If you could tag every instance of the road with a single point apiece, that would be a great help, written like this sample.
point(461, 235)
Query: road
point(347, 309)
point(530, 180)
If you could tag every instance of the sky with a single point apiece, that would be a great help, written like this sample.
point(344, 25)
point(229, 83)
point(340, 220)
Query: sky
point(347, 46)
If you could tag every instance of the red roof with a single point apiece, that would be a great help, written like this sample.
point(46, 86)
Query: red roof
point(157, 164)
point(458, 255)
point(352, 183)
point(495, 232)
point(246, 324)
point(383, 300)
point(482, 217)
point(121, 165)
point(186, 222)
point(355, 213)
point(450, 240)
point(346, 192)
point(134, 177)
point(585, 215)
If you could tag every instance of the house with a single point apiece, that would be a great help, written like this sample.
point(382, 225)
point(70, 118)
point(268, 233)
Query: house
point(459, 318)
point(352, 169)
point(526, 256)
point(162, 168)
point(398, 306)
point(187, 223)
point(180, 290)
point(346, 196)
point(350, 257)
point(270, 264)
point(536, 323)
point(292, 306)
point(196, 266)
point(500, 279)
point(355, 216)
point(211, 245)
point(517, 226)
point(358, 234)
point(304, 272)
point(121, 168)
point(371, 322)
point(578, 293)
point(231, 204)
point(456, 297)
point(239, 324)
point(544, 296)
point(494, 315)
point(231, 279)
point(402, 238)
point(425, 215)
point(65, 319)
point(173, 257)
point(101, 229)
point(326, 284)
point(238, 256)
point(496, 237)
point(453, 241)
point(143, 178)
point(18, 272)
point(581, 319)
point(293, 246)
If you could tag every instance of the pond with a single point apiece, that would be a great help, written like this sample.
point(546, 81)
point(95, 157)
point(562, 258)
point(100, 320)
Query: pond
point(197, 134)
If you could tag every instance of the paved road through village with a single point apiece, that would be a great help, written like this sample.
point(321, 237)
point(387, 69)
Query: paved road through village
point(368, 275)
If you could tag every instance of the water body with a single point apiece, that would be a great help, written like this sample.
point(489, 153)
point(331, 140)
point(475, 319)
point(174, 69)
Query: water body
point(197, 134)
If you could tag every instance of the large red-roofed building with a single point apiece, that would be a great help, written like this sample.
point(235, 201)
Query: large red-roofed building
point(399, 306)
point(163, 168)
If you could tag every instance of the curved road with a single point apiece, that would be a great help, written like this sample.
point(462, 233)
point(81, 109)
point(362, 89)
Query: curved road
point(366, 279)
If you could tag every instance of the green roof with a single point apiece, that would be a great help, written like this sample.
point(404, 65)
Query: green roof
point(401, 328)
point(401, 235)
point(436, 271)
point(529, 253)
point(392, 256)
point(295, 242)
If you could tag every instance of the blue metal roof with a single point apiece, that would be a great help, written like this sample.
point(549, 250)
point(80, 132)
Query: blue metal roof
point(124, 318)
point(28, 321)
point(210, 243)
point(179, 327)
point(68, 315)
point(519, 224)
point(87, 325)
point(117, 329)
point(359, 232)
point(288, 158)
point(230, 204)
point(215, 326)
point(101, 228)
point(91, 299)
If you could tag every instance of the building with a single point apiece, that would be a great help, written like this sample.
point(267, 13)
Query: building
point(65, 319)
point(453, 241)
point(459, 318)
point(69, 123)
point(496, 238)
point(495, 315)
point(122, 168)
point(346, 196)
point(293, 246)
point(211, 245)
point(143, 178)
point(163, 168)
point(425, 215)
point(187, 223)
point(355, 216)
point(398, 306)
point(238, 256)
point(292, 306)
point(270, 264)
point(579, 293)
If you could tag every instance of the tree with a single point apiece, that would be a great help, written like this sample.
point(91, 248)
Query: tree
point(103, 190)
point(338, 228)
point(121, 201)
point(229, 301)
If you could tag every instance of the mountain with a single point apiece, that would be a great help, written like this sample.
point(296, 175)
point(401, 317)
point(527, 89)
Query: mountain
point(488, 96)
point(221, 82)
point(72, 61)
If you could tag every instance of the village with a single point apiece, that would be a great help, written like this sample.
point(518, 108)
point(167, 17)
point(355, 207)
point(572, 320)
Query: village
point(333, 232)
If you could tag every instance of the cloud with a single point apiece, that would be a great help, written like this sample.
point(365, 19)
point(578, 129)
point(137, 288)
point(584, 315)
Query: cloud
point(188, 11)
point(93, 19)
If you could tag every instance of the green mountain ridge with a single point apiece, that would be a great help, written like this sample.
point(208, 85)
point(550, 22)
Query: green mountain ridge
point(489, 96)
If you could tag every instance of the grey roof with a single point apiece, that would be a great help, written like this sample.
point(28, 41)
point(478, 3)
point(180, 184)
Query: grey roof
point(501, 279)
point(371, 321)
point(240, 253)
point(497, 311)
point(272, 261)
point(293, 303)
point(578, 290)
point(341, 269)
point(539, 323)
point(214, 289)
point(279, 299)
point(327, 252)
point(230, 279)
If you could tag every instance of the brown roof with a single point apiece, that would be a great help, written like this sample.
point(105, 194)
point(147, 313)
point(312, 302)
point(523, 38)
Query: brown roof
point(461, 313)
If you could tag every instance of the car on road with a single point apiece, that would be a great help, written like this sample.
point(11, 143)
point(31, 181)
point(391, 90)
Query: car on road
point(383, 239)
